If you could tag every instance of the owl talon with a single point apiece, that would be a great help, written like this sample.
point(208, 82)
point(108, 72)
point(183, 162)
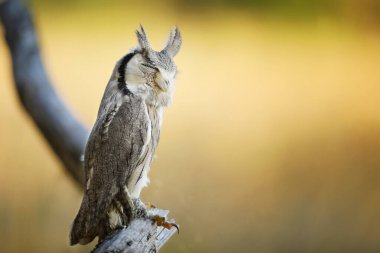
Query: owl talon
point(170, 225)
point(161, 222)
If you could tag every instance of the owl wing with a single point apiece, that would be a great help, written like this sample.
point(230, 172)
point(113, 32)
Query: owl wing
point(114, 146)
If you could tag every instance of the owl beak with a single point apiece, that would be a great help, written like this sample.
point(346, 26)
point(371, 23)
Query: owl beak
point(163, 86)
point(160, 88)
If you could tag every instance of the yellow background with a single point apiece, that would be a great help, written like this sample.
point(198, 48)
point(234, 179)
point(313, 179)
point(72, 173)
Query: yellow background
point(272, 143)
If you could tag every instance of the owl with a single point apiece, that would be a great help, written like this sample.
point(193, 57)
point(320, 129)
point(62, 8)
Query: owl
point(124, 138)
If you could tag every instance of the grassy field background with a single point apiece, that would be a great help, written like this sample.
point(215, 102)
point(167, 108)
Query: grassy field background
point(272, 143)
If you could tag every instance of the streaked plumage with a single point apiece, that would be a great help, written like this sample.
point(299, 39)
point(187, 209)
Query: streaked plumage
point(124, 138)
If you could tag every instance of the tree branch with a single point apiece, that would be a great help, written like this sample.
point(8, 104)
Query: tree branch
point(141, 235)
point(64, 133)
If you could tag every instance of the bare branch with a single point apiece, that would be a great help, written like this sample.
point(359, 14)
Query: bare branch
point(65, 134)
point(141, 236)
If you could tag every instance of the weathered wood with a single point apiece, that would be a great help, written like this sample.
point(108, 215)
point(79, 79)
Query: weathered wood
point(64, 133)
point(141, 236)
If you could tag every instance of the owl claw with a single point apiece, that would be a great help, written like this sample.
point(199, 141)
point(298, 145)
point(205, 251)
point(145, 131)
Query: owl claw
point(174, 225)
point(161, 222)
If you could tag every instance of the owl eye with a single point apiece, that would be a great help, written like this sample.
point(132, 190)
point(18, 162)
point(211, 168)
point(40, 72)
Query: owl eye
point(149, 66)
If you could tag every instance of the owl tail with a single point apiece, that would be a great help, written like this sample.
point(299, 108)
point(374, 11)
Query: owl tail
point(85, 226)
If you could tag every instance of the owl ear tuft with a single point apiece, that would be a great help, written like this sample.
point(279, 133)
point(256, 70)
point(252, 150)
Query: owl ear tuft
point(174, 42)
point(143, 39)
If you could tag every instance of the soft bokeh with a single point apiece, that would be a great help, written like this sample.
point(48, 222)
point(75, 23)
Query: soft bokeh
point(272, 143)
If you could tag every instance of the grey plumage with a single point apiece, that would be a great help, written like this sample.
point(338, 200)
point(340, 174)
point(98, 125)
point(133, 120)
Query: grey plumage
point(124, 138)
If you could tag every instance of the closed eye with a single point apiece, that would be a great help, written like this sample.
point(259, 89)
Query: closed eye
point(149, 66)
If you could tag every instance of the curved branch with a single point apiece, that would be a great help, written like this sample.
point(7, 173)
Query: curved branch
point(65, 134)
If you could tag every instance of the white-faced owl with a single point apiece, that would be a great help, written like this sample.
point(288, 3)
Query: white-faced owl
point(124, 138)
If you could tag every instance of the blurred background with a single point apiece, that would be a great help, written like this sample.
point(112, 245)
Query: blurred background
point(272, 143)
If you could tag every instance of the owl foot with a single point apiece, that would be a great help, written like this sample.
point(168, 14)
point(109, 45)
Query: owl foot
point(161, 222)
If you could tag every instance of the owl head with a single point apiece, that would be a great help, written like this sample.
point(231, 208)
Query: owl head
point(149, 73)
